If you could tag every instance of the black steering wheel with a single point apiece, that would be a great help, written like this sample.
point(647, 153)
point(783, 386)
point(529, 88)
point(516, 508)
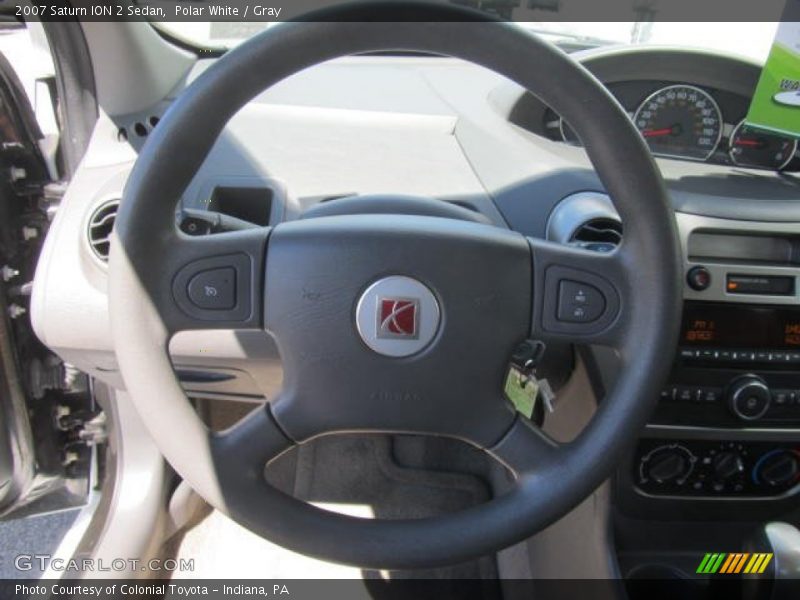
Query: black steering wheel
point(393, 322)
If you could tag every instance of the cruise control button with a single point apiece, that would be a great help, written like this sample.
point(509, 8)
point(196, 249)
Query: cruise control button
point(579, 302)
point(214, 289)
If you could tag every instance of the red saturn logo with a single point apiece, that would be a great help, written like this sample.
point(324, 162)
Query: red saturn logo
point(398, 318)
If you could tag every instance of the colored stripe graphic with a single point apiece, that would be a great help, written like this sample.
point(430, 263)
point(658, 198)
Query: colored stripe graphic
point(717, 562)
point(704, 564)
point(728, 562)
point(753, 564)
point(738, 567)
point(736, 562)
point(711, 563)
point(763, 566)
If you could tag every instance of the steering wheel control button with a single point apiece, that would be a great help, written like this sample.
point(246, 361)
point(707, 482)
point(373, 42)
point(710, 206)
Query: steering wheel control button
point(698, 278)
point(214, 289)
point(397, 316)
point(579, 302)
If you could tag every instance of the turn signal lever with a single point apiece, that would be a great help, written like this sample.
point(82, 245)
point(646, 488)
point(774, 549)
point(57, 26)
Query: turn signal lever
point(781, 581)
point(204, 222)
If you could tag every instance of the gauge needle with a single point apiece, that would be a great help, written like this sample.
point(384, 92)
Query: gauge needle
point(751, 143)
point(657, 132)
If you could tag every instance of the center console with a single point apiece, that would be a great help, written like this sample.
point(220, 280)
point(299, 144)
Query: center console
point(727, 423)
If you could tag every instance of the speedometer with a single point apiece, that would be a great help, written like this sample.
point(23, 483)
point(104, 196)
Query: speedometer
point(680, 121)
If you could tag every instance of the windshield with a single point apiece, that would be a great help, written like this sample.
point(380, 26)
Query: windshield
point(724, 37)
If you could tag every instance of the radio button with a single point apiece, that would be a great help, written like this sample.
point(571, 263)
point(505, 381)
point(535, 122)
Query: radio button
point(780, 397)
point(744, 356)
point(749, 398)
point(710, 395)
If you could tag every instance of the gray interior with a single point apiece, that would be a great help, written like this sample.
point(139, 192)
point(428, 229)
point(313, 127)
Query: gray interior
point(386, 126)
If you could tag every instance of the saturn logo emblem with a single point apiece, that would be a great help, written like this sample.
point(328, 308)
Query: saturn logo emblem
point(397, 316)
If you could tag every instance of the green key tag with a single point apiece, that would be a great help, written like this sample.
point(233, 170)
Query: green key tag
point(522, 391)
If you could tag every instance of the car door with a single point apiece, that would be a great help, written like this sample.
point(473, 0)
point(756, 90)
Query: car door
point(22, 170)
point(46, 453)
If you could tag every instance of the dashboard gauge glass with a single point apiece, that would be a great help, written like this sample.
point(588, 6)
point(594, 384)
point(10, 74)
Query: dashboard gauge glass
point(750, 147)
point(680, 121)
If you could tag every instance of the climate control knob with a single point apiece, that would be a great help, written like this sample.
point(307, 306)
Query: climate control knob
point(777, 468)
point(727, 465)
point(749, 397)
point(667, 464)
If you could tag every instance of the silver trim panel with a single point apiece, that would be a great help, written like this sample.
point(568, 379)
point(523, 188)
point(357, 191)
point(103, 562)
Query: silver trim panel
point(716, 292)
point(575, 210)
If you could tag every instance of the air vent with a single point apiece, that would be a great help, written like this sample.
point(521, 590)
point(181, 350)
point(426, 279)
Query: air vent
point(100, 226)
point(600, 235)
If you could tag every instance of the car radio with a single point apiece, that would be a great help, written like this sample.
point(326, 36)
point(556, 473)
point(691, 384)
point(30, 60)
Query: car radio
point(736, 365)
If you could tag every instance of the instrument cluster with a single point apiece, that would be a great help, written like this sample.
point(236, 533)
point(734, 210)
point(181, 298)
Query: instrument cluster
point(690, 122)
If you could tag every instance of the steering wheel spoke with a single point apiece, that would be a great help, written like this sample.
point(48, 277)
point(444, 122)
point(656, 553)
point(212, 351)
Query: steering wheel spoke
point(249, 445)
point(524, 448)
point(579, 294)
point(211, 282)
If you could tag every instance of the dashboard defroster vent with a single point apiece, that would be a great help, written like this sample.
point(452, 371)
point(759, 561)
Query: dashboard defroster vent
point(100, 225)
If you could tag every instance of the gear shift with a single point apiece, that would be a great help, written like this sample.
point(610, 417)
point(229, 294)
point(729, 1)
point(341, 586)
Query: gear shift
point(781, 581)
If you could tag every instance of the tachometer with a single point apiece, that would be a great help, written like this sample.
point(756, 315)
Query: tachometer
point(680, 121)
point(752, 148)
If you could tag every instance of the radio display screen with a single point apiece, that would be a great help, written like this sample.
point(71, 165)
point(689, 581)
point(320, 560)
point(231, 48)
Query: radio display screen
point(730, 326)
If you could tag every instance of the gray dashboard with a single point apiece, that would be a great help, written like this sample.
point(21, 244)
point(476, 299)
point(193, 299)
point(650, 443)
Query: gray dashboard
point(375, 124)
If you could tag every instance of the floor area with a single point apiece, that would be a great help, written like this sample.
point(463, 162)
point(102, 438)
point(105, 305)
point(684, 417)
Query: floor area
point(368, 476)
point(36, 535)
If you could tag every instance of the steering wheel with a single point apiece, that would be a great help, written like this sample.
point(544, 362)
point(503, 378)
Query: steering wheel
point(393, 322)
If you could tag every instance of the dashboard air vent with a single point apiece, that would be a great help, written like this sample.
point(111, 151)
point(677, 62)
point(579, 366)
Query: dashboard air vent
point(600, 235)
point(100, 226)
